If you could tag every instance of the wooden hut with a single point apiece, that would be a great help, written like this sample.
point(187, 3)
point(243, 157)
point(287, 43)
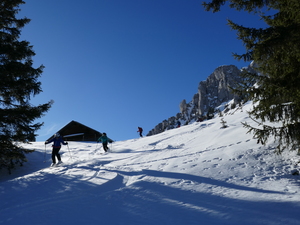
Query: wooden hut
point(75, 131)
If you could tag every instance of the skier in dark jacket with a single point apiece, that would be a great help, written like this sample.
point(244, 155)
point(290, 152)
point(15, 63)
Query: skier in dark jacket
point(140, 130)
point(57, 141)
point(104, 139)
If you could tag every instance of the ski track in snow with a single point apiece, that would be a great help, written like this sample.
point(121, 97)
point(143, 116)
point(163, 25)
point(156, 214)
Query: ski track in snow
point(196, 174)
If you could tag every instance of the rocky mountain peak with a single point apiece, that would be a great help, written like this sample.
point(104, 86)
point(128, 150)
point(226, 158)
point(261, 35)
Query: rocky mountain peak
point(212, 92)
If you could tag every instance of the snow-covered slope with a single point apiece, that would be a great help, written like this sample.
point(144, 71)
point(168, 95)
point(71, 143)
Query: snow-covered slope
point(196, 174)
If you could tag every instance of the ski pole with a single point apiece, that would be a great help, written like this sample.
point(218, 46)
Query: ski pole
point(69, 152)
point(111, 146)
point(99, 149)
point(45, 154)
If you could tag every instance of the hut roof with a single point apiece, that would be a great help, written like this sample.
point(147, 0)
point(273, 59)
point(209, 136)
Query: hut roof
point(75, 131)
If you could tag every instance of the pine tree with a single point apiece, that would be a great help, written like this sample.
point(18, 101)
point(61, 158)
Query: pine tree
point(276, 51)
point(19, 82)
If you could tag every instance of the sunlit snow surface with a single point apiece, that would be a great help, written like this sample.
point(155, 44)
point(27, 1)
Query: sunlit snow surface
point(197, 174)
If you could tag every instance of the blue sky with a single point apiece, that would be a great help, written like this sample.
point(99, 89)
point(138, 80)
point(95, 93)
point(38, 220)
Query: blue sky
point(114, 65)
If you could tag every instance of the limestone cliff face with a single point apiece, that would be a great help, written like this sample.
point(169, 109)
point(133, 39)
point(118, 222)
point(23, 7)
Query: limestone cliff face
point(212, 92)
point(216, 89)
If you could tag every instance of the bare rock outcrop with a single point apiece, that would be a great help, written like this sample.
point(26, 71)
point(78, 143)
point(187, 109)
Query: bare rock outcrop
point(212, 92)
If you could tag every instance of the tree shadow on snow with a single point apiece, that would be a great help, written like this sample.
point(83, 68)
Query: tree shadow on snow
point(69, 199)
point(161, 204)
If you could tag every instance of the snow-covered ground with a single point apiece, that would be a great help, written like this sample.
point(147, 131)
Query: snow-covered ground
point(196, 174)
